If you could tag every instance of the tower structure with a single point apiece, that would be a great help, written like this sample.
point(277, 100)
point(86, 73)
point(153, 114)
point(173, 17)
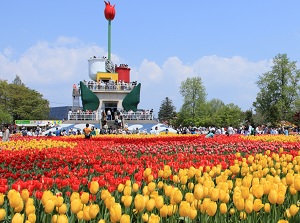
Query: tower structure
point(110, 87)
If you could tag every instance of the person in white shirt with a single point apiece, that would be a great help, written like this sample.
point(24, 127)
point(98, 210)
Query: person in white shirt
point(5, 135)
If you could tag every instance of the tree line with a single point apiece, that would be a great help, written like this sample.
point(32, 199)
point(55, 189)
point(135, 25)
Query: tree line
point(18, 102)
point(278, 100)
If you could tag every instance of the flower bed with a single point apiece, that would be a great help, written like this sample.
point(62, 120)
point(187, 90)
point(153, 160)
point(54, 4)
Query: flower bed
point(150, 179)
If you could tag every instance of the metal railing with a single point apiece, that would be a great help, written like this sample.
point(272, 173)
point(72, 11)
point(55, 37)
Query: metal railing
point(96, 115)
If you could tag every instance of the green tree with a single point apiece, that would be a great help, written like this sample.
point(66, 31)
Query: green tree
point(17, 81)
point(279, 90)
point(194, 97)
point(21, 102)
point(167, 111)
point(5, 117)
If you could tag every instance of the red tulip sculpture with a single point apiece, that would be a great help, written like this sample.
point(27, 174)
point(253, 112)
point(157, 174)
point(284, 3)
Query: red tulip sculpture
point(109, 13)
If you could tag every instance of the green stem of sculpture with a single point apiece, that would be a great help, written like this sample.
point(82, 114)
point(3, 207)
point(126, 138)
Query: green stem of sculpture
point(109, 39)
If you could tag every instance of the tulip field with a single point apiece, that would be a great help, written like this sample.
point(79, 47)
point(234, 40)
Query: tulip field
point(161, 178)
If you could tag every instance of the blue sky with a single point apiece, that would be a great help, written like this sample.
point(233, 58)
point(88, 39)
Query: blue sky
point(227, 43)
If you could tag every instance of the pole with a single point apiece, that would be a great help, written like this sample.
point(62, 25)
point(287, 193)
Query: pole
point(109, 39)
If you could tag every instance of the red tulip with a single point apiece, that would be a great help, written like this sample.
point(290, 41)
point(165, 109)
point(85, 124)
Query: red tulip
point(109, 11)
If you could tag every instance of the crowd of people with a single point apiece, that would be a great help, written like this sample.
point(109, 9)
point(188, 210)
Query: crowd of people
point(246, 130)
point(118, 128)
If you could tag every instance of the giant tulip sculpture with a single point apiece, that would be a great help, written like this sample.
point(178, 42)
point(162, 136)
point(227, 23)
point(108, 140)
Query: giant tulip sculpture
point(109, 13)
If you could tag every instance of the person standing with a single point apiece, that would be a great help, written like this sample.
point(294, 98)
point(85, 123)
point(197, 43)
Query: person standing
point(5, 136)
point(87, 131)
point(109, 114)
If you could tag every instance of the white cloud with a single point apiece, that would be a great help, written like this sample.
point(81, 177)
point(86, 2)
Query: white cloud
point(52, 69)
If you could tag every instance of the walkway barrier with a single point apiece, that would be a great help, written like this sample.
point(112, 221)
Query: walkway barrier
point(82, 115)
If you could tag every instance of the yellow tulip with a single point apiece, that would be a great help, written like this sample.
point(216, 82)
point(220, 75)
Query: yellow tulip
point(151, 187)
point(109, 201)
point(184, 179)
point(189, 197)
point(267, 207)
point(85, 197)
point(172, 209)
point(74, 195)
point(139, 202)
point(245, 192)
point(198, 191)
point(76, 205)
point(168, 190)
point(258, 191)
point(163, 212)
point(175, 179)
point(297, 183)
point(150, 204)
point(212, 208)
point(145, 217)
point(20, 207)
point(53, 219)
point(160, 173)
point(49, 206)
point(94, 187)
point(94, 210)
point(46, 196)
point(86, 213)
point(127, 200)
point(15, 200)
point(193, 213)
point(232, 211)
point(272, 197)
point(127, 190)
point(29, 209)
point(104, 194)
point(80, 215)
point(267, 187)
point(283, 221)
point(257, 205)
point(31, 218)
point(177, 196)
point(147, 172)
point(1, 199)
point(62, 219)
point(159, 202)
point(222, 195)
point(160, 184)
point(292, 190)
point(223, 208)
point(214, 194)
point(294, 210)
point(25, 194)
point(115, 212)
point(101, 221)
point(125, 218)
point(145, 190)
point(62, 209)
point(59, 201)
point(280, 197)
point(240, 203)
point(17, 218)
point(154, 219)
point(135, 187)
point(248, 206)
point(243, 215)
point(2, 213)
point(184, 209)
point(191, 186)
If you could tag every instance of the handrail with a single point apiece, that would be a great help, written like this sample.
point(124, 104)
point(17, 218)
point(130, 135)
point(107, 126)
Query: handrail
point(82, 115)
